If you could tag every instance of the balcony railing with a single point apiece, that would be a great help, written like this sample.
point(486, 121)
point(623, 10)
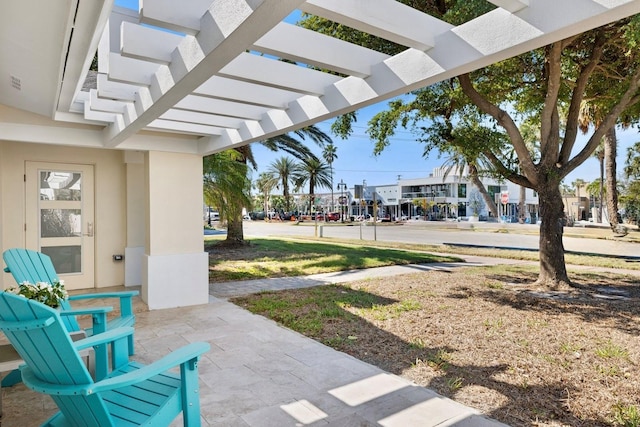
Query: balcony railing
point(429, 196)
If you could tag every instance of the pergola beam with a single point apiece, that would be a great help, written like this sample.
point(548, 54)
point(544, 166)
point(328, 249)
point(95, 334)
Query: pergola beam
point(227, 29)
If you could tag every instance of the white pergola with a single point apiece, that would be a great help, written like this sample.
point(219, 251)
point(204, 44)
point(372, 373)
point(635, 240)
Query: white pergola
point(180, 79)
point(211, 69)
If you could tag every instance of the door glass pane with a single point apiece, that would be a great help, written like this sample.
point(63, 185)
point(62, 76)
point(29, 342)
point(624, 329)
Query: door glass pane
point(66, 259)
point(57, 185)
point(60, 222)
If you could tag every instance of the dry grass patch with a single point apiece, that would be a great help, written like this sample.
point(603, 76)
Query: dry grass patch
point(481, 337)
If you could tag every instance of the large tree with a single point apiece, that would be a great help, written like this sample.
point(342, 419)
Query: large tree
point(546, 86)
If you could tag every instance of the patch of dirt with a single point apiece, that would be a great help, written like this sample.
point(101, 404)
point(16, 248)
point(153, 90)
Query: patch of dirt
point(483, 337)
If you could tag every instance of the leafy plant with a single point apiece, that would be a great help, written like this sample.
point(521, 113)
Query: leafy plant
point(46, 293)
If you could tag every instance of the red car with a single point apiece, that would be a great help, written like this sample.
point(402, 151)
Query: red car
point(333, 216)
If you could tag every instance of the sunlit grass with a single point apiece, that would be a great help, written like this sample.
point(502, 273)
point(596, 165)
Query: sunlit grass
point(281, 258)
point(525, 255)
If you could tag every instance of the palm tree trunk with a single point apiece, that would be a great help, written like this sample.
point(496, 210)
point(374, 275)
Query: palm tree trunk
point(521, 204)
point(235, 230)
point(331, 169)
point(491, 204)
point(610, 152)
point(601, 158)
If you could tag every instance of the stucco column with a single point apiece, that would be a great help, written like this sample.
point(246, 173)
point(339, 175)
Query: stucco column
point(175, 266)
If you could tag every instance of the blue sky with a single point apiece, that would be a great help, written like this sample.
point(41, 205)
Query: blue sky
point(356, 162)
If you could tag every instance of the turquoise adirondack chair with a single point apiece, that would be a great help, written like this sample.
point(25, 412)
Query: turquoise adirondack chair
point(31, 266)
point(131, 395)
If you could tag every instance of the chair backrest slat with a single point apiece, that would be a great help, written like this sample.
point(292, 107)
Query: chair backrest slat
point(51, 357)
point(26, 265)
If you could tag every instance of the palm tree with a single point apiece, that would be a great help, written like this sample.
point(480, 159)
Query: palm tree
point(283, 169)
point(227, 186)
point(599, 154)
point(314, 172)
point(329, 154)
point(606, 152)
point(610, 153)
point(265, 183)
point(286, 143)
point(458, 162)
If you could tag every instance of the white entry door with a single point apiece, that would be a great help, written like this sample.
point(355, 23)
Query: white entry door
point(60, 219)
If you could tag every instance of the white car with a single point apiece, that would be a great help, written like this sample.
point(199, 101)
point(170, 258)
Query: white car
point(212, 215)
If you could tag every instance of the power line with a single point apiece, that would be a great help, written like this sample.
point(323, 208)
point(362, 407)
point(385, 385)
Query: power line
point(380, 171)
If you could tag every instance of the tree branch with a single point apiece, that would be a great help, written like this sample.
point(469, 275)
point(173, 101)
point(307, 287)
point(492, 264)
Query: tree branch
point(577, 97)
point(553, 58)
point(504, 120)
point(506, 172)
point(609, 121)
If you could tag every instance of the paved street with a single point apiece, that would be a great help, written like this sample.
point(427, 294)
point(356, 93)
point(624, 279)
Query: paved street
point(435, 233)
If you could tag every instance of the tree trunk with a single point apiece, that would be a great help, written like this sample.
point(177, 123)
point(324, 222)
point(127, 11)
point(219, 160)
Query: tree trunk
point(601, 159)
point(491, 204)
point(521, 204)
point(553, 272)
point(235, 230)
point(610, 152)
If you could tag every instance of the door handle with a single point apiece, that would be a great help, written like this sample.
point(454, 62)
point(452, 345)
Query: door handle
point(89, 232)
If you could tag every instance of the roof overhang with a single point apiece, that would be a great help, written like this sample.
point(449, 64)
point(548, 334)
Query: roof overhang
point(203, 76)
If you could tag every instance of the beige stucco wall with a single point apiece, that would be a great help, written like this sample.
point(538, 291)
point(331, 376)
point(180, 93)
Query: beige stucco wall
point(174, 203)
point(110, 200)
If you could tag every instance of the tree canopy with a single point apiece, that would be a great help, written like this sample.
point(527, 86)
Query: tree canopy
point(554, 89)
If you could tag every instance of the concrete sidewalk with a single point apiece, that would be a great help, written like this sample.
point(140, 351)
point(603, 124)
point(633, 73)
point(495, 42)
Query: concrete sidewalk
point(244, 287)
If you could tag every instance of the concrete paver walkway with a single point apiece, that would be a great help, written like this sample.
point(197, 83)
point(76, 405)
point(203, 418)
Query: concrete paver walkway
point(259, 374)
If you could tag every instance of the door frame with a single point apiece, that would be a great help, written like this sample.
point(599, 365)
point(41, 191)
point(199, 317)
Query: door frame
point(85, 233)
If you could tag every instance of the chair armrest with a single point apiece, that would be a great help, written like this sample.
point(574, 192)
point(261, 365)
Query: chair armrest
point(124, 294)
point(85, 311)
point(104, 338)
point(176, 358)
point(126, 303)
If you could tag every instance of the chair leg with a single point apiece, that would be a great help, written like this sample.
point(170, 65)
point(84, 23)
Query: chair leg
point(190, 393)
point(132, 350)
point(12, 378)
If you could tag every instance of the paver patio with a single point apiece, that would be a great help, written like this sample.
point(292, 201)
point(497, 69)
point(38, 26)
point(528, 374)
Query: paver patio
point(261, 374)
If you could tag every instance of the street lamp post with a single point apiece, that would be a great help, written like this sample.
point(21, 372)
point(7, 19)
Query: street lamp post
point(342, 186)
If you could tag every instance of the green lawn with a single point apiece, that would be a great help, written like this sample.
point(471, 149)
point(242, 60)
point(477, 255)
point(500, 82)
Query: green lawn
point(280, 258)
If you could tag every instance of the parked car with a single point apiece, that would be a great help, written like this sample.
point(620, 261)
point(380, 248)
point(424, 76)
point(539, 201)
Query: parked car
point(333, 216)
point(211, 215)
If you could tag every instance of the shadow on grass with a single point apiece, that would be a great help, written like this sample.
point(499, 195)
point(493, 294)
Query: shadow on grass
point(593, 300)
point(329, 314)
